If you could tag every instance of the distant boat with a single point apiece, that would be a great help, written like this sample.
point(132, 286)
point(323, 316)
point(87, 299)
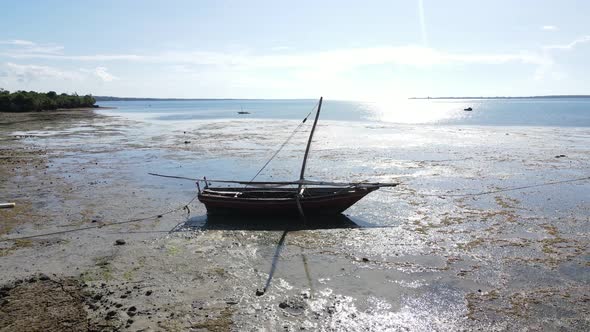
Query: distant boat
point(301, 197)
point(242, 111)
point(468, 109)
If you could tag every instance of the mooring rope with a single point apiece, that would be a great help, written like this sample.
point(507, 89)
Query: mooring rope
point(156, 216)
point(504, 189)
point(175, 177)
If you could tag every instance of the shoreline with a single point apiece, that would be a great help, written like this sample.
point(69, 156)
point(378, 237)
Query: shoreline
point(38, 119)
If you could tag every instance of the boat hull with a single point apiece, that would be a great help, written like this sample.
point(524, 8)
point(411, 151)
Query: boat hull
point(316, 201)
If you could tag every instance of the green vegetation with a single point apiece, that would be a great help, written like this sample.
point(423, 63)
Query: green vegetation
point(23, 101)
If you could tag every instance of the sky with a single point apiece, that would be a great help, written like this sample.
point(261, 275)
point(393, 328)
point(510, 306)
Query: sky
point(352, 50)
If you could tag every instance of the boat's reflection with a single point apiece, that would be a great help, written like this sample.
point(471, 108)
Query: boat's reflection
point(229, 222)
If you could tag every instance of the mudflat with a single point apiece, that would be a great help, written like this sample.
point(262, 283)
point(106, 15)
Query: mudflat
point(94, 243)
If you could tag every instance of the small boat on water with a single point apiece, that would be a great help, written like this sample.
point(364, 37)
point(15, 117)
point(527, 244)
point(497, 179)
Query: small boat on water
point(242, 111)
point(301, 197)
point(468, 109)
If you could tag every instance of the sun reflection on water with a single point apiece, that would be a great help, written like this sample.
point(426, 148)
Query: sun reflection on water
point(411, 111)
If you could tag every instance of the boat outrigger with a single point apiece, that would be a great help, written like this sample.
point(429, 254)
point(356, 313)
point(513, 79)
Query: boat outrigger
point(301, 197)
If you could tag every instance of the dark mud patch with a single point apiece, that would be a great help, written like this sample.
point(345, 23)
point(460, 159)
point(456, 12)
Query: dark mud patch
point(10, 246)
point(219, 323)
point(6, 249)
point(41, 303)
point(12, 119)
point(542, 308)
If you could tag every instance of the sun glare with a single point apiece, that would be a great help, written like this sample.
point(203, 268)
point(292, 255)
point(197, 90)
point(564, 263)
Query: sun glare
point(410, 111)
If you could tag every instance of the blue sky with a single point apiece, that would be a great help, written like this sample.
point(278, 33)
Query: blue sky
point(296, 49)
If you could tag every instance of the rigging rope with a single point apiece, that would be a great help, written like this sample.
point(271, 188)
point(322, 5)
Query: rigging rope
point(284, 143)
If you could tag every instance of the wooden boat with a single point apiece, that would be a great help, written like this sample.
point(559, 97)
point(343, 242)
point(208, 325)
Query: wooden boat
point(302, 197)
point(283, 201)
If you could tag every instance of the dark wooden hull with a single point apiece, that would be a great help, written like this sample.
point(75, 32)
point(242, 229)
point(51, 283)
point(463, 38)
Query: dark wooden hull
point(316, 201)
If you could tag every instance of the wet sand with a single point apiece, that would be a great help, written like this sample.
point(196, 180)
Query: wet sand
point(413, 258)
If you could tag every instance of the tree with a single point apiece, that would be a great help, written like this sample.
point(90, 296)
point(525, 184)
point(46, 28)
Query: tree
point(88, 101)
point(4, 100)
point(22, 101)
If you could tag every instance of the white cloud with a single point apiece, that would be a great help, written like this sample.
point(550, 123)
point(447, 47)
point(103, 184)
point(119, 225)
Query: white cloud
point(19, 47)
point(343, 59)
point(27, 73)
point(96, 57)
point(522, 57)
point(100, 73)
point(549, 28)
point(17, 42)
point(551, 68)
point(573, 44)
point(297, 65)
point(340, 59)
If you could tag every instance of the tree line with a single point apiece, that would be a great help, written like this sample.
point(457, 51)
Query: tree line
point(23, 101)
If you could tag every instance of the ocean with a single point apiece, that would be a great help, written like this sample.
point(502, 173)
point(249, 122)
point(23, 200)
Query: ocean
point(558, 112)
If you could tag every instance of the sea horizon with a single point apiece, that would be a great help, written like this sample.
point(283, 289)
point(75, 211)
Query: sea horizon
point(549, 112)
point(117, 98)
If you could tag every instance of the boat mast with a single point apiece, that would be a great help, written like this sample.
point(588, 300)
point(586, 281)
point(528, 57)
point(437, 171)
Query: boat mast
point(315, 121)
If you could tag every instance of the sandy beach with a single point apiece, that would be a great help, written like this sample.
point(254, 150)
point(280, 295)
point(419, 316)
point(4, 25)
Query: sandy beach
point(447, 250)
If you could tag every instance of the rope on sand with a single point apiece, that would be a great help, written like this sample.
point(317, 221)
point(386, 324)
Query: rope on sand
point(183, 207)
point(505, 189)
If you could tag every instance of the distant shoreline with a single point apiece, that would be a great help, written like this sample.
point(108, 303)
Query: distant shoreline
point(110, 98)
point(508, 97)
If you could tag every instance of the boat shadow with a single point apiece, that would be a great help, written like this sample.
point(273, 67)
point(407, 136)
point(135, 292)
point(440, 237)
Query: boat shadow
point(283, 224)
point(250, 223)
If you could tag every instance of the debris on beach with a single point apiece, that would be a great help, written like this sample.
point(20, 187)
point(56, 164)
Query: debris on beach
point(293, 305)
